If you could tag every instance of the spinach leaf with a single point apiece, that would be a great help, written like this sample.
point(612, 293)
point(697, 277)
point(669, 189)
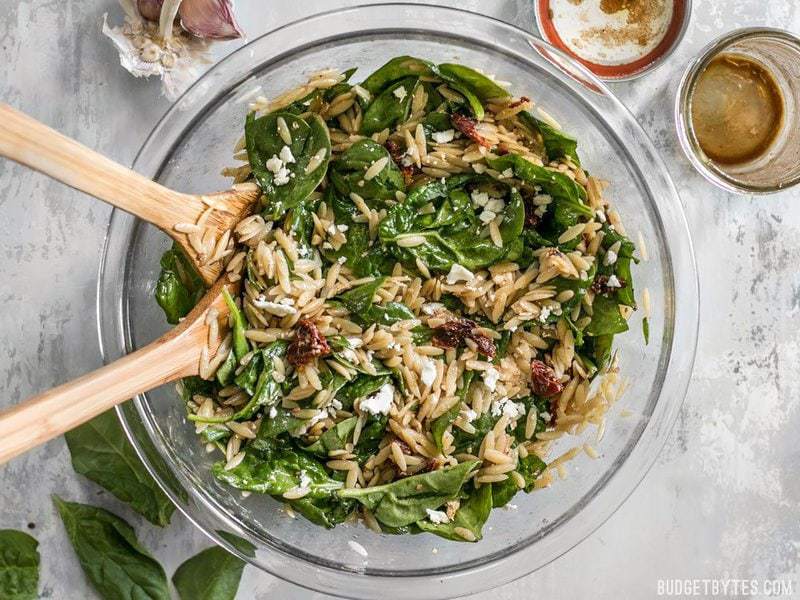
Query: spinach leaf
point(240, 344)
point(275, 469)
point(101, 452)
point(530, 468)
point(599, 348)
point(347, 173)
point(111, 556)
point(19, 565)
point(442, 422)
point(327, 512)
point(503, 492)
point(225, 372)
point(567, 194)
point(405, 501)
point(483, 87)
point(397, 68)
point(263, 142)
point(213, 574)
point(272, 427)
point(436, 121)
point(179, 287)
point(471, 515)
point(557, 144)
point(267, 391)
point(390, 107)
point(300, 225)
point(622, 266)
point(606, 318)
point(646, 330)
point(334, 438)
point(542, 406)
point(360, 387)
point(359, 301)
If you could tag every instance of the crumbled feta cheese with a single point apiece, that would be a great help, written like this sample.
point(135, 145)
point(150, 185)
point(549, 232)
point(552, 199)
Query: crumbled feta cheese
point(610, 258)
point(431, 308)
point(350, 355)
point(273, 412)
point(357, 548)
point(437, 516)
point(458, 273)
point(470, 415)
point(281, 177)
point(487, 216)
point(274, 164)
point(613, 282)
point(355, 341)
point(540, 210)
point(480, 198)
point(286, 155)
point(428, 371)
point(507, 174)
point(490, 378)
point(400, 92)
point(479, 168)
point(342, 228)
point(495, 205)
point(442, 137)
point(279, 309)
point(336, 404)
point(341, 260)
point(509, 408)
point(380, 402)
point(544, 314)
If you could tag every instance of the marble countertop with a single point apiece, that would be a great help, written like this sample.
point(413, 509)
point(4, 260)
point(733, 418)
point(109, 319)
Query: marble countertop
point(723, 499)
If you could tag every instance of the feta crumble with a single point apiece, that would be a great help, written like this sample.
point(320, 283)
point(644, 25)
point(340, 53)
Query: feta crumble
point(487, 216)
point(400, 93)
point(613, 282)
point(458, 273)
point(380, 402)
point(544, 314)
point(480, 198)
point(490, 378)
point(509, 408)
point(286, 155)
point(610, 258)
point(437, 516)
point(443, 137)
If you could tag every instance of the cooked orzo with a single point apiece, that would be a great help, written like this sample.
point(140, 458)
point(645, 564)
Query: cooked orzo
point(424, 302)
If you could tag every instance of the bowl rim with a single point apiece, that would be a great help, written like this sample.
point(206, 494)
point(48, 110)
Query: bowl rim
point(467, 578)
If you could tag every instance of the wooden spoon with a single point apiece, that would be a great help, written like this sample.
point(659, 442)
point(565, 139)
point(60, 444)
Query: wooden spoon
point(175, 355)
point(31, 143)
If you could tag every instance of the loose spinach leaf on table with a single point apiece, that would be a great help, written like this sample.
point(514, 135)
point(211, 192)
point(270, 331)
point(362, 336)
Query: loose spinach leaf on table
point(111, 556)
point(472, 513)
point(213, 574)
point(405, 501)
point(263, 142)
point(101, 452)
point(19, 565)
point(390, 107)
point(179, 287)
point(347, 173)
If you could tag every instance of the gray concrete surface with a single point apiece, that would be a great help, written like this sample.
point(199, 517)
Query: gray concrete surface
point(723, 500)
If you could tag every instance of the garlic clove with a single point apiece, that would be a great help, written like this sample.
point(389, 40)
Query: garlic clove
point(210, 19)
point(150, 9)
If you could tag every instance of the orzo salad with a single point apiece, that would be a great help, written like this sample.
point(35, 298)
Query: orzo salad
point(424, 302)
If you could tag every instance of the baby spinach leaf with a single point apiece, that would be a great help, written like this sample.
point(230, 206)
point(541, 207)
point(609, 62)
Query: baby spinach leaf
point(19, 565)
point(646, 330)
point(390, 107)
point(567, 194)
point(100, 451)
point(327, 512)
point(111, 556)
point(179, 287)
point(530, 468)
point(334, 439)
point(622, 266)
point(405, 501)
point(225, 372)
point(471, 515)
point(599, 348)
point(542, 406)
point(606, 318)
point(347, 173)
point(397, 68)
point(240, 344)
point(263, 142)
point(275, 469)
point(557, 144)
point(359, 301)
point(483, 87)
point(213, 574)
point(267, 391)
point(436, 121)
point(360, 387)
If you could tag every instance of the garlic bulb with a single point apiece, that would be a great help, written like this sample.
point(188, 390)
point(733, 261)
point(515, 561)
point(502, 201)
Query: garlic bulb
point(210, 19)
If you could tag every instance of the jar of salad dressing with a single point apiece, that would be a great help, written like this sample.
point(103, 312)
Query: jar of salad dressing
point(737, 111)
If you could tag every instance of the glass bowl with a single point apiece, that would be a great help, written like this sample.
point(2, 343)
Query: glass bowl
point(194, 141)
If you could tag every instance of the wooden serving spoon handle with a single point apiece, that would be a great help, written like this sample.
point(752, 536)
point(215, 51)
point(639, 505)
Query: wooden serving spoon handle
point(31, 143)
point(174, 355)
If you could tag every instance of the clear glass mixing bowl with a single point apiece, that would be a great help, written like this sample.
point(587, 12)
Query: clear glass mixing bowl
point(193, 142)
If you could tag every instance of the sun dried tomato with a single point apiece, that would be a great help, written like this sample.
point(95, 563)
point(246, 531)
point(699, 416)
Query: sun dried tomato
point(453, 333)
point(469, 127)
point(307, 345)
point(532, 220)
point(519, 102)
point(543, 380)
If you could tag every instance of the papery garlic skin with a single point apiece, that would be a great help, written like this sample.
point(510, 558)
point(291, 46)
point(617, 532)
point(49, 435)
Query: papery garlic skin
point(210, 19)
point(150, 10)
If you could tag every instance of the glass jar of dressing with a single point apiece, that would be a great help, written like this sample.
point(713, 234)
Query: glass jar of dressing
point(737, 111)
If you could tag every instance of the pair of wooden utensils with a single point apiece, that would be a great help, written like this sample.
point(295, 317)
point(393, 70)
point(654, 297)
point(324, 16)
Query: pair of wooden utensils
point(172, 356)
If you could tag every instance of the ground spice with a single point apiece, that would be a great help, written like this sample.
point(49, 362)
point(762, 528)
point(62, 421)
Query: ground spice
point(644, 21)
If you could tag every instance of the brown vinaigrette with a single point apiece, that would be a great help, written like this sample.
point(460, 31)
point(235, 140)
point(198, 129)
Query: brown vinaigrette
point(737, 109)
